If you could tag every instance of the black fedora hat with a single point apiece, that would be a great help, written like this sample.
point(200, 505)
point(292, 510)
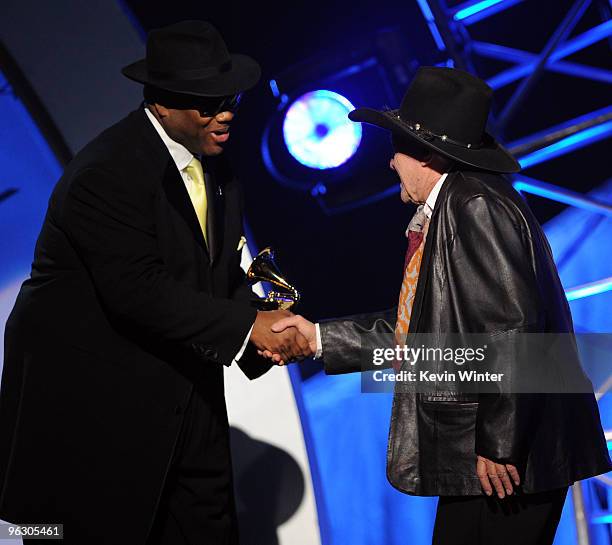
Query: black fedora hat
point(191, 58)
point(446, 109)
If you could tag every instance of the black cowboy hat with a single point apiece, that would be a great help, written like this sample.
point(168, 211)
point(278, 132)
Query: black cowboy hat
point(191, 58)
point(446, 109)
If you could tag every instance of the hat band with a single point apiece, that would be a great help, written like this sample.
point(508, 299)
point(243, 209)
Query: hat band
point(192, 73)
point(429, 136)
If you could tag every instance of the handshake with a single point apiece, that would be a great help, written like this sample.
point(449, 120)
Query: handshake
point(282, 336)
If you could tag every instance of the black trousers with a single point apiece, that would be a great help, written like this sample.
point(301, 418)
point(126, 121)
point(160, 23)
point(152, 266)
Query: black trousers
point(197, 504)
point(525, 519)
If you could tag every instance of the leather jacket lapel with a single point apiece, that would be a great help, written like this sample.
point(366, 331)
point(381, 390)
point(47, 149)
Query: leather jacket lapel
point(425, 270)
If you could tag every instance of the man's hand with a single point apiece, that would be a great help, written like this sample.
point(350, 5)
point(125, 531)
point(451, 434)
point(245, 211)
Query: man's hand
point(303, 326)
point(496, 476)
point(288, 344)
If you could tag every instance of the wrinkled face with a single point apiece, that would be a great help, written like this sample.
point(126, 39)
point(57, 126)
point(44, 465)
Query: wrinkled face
point(205, 135)
point(411, 174)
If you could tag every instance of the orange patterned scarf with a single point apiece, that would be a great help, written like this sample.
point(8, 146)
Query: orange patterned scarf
point(417, 231)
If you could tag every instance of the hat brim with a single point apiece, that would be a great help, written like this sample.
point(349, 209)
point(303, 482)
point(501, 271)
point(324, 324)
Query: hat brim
point(243, 75)
point(489, 156)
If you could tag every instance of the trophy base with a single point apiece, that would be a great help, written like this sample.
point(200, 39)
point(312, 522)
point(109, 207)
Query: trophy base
point(272, 304)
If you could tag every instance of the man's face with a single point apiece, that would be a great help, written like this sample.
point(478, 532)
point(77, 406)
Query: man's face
point(203, 135)
point(410, 172)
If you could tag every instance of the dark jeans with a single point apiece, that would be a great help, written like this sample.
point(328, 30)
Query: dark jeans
point(525, 519)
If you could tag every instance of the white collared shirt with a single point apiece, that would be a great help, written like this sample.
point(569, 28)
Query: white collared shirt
point(182, 157)
point(430, 202)
point(179, 153)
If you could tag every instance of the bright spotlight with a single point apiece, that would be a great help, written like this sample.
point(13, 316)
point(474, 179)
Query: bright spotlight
point(318, 132)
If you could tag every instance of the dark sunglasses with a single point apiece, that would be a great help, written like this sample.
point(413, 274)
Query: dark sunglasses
point(212, 106)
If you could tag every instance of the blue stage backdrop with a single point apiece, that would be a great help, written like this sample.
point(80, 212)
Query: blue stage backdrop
point(28, 166)
point(348, 430)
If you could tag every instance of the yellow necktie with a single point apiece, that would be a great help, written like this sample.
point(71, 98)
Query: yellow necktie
point(197, 192)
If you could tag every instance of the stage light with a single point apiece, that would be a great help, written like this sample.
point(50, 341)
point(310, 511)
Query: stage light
point(318, 132)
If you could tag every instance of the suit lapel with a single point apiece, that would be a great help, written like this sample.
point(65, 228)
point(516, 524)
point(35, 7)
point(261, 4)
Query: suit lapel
point(172, 183)
point(178, 197)
point(215, 213)
point(425, 270)
point(177, 194)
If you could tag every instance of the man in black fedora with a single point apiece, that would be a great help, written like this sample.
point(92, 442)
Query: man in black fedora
point(477, 263)
point(112, 410)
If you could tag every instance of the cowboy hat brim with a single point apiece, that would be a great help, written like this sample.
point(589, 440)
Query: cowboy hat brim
point(244, 74)
point(489, 156)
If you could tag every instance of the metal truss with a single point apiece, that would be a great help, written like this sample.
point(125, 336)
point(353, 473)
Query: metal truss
point(450, 29)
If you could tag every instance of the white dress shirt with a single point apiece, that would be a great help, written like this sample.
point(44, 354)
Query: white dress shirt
point(182, 157)
point(430, 202)
point(179, 153)
point(428, 208)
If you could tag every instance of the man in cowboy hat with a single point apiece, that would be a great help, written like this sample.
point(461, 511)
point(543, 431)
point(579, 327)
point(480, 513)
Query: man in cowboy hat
point(112, 411)
point(477, 262)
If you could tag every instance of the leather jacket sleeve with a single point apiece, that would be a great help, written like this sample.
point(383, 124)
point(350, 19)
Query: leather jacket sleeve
point(494, 279)
point(346, 340)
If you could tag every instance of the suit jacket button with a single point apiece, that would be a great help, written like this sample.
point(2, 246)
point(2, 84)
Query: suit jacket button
point(178, 409)
point(212, 354)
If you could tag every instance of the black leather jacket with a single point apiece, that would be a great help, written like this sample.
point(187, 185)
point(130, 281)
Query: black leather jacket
point(487, 267)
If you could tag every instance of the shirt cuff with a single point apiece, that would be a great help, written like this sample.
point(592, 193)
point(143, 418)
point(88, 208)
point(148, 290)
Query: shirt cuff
point(244, 345)
point(319, 351)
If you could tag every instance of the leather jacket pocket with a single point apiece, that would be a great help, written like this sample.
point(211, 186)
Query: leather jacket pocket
point(447, 437)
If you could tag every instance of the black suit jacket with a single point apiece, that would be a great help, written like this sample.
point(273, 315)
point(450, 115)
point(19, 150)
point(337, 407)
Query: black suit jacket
point(487, 268)
point(126, 309)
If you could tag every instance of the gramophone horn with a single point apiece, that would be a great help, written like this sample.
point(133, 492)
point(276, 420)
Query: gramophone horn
point(265, 269)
